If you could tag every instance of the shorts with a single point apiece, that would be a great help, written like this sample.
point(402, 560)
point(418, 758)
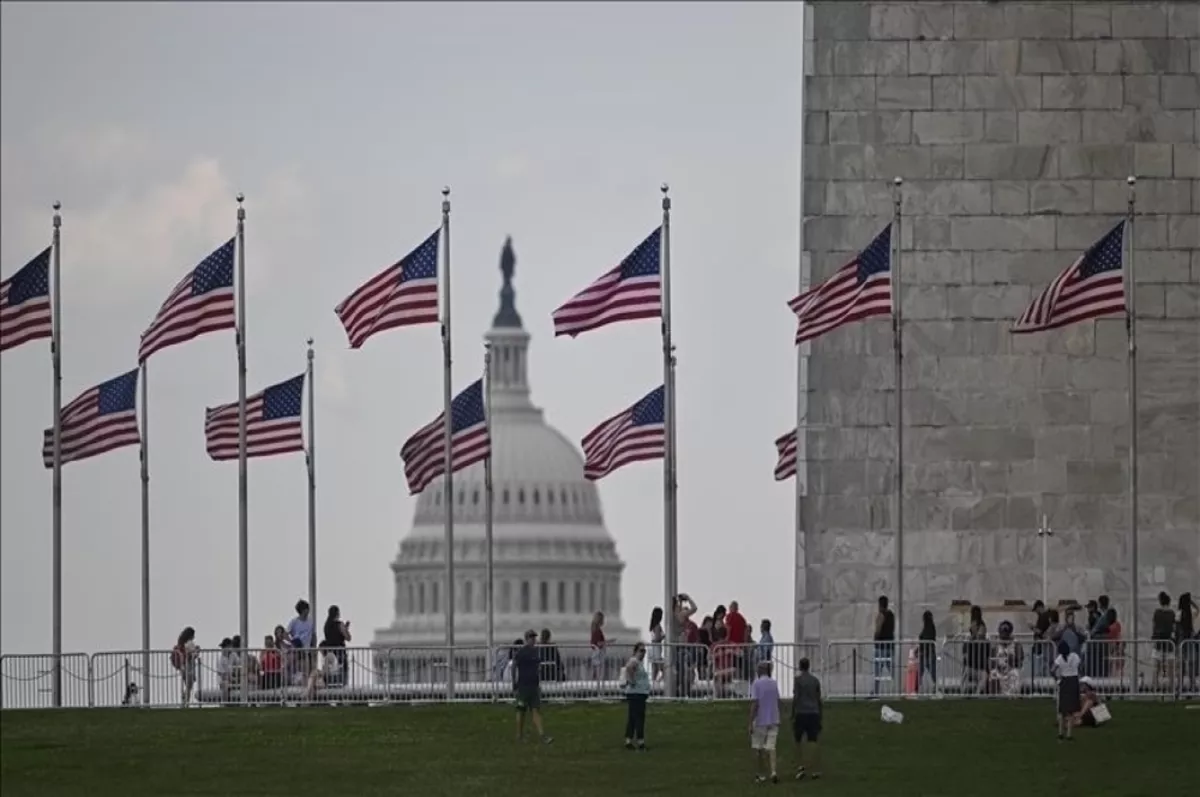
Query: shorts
point(806, 726)
point(528, 699)
point(763, 737)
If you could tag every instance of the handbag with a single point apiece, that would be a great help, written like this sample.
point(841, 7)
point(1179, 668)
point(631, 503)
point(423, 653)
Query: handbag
point(1101, 714)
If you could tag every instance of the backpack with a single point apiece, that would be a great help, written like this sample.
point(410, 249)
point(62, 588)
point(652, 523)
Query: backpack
point(177, 657)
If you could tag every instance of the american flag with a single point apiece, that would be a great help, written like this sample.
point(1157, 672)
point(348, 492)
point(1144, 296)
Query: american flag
point(424, 453)
point(630, 291)
point(201, 302)
point(785, 446)
point(632, 435)
point(859, 289)
point(403, 295)
point(25, 312)
point(1093, 286)
point(101, 419)
point(272, 423)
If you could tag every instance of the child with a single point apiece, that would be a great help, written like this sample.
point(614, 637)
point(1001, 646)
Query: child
point(764, 721)
point(1066, 669)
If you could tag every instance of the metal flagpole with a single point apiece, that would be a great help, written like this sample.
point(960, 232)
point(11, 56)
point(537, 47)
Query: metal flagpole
point(56, 490)
point(145, 457)
point(670, 550)
point(898, 345)
point(1131, 328)
point(243, 531)
point(1044, 532)
point(448, 420)
point(488, 506)
point(311, 461)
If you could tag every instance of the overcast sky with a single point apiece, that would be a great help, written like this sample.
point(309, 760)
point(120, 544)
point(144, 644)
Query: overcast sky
point(554, 123)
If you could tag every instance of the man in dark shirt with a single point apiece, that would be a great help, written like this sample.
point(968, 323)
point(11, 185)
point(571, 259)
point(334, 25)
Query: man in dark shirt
point(806, 718)
point(885, 647)
point(527, 681)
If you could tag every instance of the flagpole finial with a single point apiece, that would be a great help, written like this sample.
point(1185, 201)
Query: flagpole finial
point(1131, 179)
point(897, 181)
point(241, 211)
point(666, 199)
point(57, 217)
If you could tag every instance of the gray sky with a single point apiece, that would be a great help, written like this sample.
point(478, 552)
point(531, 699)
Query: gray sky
point(554, 123)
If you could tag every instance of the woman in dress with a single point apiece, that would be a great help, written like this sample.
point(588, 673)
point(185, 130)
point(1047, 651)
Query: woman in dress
point(1066, 669)
point(1007, 657)
point(927, 649)
point(657, 635)
point(976, 650)
point(599, 643)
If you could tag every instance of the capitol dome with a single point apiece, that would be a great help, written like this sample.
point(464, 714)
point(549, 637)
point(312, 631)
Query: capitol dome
point(555, 563)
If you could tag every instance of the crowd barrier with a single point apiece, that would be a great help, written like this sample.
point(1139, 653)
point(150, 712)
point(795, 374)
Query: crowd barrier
point(849, 670)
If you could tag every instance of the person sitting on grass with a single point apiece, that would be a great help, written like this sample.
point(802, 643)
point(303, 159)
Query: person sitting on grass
point(527, 665)
point(1093, 711)
point(764, 722)
point(806, 719)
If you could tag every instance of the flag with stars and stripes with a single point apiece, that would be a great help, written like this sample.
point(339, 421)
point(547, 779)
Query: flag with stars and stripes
point(272, 423)
point(785, 447)
point(403, 295)
point(424, 453)
point(858, 290)
point(1093, 286)
point(202, 302)
point(25, 311)
point(630, 291)
point(632, 435)
point(101, 419)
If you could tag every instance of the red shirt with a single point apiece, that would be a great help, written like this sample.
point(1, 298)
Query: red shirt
point(597, 638)
point(723, 655)
point(692, 632)
point(271, 661)
point(739, 630)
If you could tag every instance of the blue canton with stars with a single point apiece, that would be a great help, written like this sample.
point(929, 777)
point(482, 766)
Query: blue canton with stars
point(214, 271)
point(649, 410)
point(467, 408)
point(117, 395)
point(643, 261)
point(876, 257)
point(421, 263)
point(283, 400)
point(1105, 255)
point(32, 281)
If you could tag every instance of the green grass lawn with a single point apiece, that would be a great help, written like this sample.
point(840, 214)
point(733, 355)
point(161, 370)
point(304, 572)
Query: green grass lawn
point(955, 749)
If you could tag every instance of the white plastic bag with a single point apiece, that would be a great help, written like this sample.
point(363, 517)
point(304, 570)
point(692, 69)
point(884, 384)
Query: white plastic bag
point(888, 714)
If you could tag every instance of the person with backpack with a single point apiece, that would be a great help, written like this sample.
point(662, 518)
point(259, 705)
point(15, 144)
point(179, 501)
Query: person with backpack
point(183, 658)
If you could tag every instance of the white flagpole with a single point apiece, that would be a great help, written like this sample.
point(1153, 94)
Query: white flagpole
point(448, 420)
point(243, 515)
point(1131, 328)
point(56, 490)
point(898, 341)
point(670, 541)
point(488, 508)
point(145, 457)
point(311, 461)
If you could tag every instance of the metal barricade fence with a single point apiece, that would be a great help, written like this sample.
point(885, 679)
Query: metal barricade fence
point(849, 669)
point(27, 680)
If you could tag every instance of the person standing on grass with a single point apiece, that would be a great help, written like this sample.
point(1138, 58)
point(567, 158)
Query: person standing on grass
point(1066, 669)
point(637, 693)
point(527, 682)
point(764, 722)
point(806, 719)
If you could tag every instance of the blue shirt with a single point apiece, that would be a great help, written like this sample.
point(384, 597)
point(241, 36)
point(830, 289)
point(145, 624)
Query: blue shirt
point(301, 630)
point(766, 646)
point(527, 664)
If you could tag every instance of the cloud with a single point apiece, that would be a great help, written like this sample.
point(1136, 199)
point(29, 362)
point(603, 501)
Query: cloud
point(512, 166)
point(144, 238)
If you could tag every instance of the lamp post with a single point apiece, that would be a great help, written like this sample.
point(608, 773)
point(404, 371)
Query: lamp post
point(1044, 533)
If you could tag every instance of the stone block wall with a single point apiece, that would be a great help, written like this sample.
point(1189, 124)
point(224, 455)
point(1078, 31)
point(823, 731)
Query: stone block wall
point(1014, 126)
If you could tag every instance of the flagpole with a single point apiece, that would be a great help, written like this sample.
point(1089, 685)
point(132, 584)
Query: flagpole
point(243, 531)
point(145, 457)
point(898, 345)
point(670, 551)
point(488, 506)
point(311, 461)
point(448, 425)
point(1131, 328)
point(56, 490)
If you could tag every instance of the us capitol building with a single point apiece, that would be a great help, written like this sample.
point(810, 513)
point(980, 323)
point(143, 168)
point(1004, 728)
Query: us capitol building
point(555, 562)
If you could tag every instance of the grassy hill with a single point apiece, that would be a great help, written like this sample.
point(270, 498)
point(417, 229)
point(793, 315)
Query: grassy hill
point(949, 748)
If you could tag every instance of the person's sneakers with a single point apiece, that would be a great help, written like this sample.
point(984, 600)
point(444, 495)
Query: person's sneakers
point(774, 778)
point(628, 745)
point(816, 775)
point(641, 748)
point(800, 773)
point(760, 778)
point(547, 739)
